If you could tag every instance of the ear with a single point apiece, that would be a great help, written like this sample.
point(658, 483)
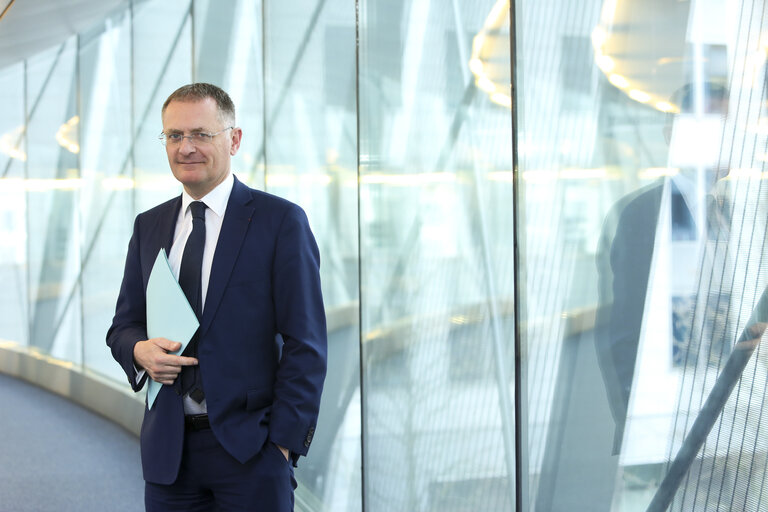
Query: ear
point(236, 138)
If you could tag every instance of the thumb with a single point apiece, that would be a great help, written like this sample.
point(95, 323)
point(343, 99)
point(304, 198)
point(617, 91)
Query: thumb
point(167, 345)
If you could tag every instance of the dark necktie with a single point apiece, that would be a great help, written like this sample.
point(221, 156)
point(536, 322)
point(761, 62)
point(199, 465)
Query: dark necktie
point(189, 280)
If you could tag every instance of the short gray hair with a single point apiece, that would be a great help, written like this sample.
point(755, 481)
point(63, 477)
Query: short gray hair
point(201, 91)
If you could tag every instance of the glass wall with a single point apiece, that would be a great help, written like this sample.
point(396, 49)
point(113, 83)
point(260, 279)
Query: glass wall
point(13, 224)
point(390, 123)
point(642, 149)
point(567, 316)
point(106, 194)
point(436, 259)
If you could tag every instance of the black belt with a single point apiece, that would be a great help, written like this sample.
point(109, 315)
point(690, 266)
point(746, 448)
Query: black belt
point(196, 422)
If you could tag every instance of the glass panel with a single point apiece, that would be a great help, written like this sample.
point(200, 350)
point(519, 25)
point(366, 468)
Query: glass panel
point(162, 62)
point(311, 157)
point(241, 73)
point(437, 257)
point(641, 159)
point(106, 203)
point(53, 223)
point(13, 207)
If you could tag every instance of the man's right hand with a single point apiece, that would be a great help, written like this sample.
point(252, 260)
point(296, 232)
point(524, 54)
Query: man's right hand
point(754, 333)
point(152, 355)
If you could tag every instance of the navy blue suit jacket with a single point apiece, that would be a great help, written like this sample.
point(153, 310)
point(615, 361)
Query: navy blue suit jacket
point(262, 348)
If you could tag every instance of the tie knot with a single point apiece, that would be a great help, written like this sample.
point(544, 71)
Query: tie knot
point(198, 209)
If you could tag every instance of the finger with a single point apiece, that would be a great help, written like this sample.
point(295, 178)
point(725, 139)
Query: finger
point(758, 328)
point(162, 379)
point(166, 344)
point(174, 361)
point(747, 344)
point(170, 369)
point(161, 372)
point(166, 377)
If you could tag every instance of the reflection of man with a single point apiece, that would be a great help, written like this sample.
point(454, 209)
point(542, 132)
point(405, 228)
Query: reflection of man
point(222, 433)
point(631, 231)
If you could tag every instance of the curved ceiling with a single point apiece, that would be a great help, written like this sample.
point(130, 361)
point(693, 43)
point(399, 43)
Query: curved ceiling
point(31, 26)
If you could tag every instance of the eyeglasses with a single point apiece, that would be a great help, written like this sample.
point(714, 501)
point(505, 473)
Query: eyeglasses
point(196, 138)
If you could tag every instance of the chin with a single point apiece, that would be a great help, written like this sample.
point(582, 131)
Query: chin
point(188, 176)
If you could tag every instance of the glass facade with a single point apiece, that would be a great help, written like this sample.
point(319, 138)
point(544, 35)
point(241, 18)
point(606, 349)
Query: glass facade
point(641, 150)
point(436, 266)
point(541, 224)
point(367, 116)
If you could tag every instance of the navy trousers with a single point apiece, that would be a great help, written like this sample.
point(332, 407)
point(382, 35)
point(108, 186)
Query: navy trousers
point(210, 479)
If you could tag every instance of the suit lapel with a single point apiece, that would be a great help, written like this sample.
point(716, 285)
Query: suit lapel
point(160, 234)
point(167, 224)
point(233, 230)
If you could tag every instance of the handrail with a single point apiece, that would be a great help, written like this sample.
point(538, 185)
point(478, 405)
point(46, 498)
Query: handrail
point(713, 407)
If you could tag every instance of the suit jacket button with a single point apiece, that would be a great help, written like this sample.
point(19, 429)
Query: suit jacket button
point(310, 434)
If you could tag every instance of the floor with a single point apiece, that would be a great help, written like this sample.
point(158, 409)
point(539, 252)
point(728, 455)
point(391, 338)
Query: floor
point(58, 456)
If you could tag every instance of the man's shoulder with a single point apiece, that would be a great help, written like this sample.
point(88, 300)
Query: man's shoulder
point(268, 200)
point(161, 209)
point(642, 198)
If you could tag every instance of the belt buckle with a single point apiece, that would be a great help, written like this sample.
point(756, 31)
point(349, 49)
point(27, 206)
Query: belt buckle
point(197, 421)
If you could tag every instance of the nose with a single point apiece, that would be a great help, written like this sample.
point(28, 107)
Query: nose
point(186, 146)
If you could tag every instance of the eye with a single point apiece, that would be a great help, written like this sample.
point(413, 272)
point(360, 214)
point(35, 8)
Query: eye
point(200, 136)
point(174, 137)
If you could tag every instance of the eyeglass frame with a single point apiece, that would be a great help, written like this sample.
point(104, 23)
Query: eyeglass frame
point(207, 138)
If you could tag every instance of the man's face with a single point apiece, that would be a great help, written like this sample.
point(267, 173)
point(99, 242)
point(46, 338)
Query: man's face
point(199, 166)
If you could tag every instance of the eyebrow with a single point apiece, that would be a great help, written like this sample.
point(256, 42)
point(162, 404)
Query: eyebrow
point(194, 130)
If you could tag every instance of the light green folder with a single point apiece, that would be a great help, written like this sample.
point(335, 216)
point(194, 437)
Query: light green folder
point(169, 314)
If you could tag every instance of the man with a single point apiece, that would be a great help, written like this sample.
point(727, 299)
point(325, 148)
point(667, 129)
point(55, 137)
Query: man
point(630, 240)
point(238, 408)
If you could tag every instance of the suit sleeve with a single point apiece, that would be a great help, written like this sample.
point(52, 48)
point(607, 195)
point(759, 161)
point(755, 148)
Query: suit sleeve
point(300, 320)
point(129, 324)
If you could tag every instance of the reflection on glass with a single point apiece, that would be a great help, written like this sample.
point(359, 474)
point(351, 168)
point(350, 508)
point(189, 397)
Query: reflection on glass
point(643, 275)
point(436, 283)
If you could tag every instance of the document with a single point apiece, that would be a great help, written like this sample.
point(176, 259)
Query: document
point(169, 314)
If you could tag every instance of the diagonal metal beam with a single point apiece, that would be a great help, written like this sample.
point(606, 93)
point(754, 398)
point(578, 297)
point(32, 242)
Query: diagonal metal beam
point(30, 115)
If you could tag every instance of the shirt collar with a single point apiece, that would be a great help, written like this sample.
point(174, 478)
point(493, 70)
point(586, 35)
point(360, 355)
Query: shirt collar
point(215, 200)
